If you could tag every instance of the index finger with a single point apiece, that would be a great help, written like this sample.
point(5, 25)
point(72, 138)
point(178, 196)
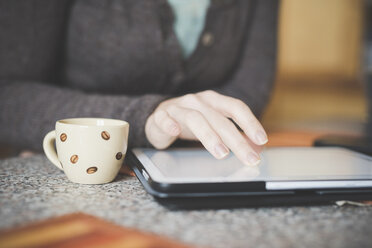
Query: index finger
point(239, 112)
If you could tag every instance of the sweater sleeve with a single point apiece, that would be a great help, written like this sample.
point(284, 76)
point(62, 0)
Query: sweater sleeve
point(254, 75)
point(28, 110)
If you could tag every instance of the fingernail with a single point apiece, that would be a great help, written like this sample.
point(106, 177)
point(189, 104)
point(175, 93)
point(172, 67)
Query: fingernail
point(261, 137)
point(253, 159)
point(221, 151)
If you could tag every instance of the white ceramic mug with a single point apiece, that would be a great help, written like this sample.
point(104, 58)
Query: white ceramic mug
point(89, 150)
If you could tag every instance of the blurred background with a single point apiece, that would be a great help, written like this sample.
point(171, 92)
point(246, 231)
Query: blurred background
point(320, 87)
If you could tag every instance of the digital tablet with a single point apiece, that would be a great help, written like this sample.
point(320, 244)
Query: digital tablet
point(283, 172)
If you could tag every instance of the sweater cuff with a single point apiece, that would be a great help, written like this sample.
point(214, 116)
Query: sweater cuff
point(136, 114)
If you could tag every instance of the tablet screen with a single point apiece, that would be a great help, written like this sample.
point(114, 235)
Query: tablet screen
point(277, 164)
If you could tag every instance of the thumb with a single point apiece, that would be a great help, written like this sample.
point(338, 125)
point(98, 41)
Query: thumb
point(158, 138)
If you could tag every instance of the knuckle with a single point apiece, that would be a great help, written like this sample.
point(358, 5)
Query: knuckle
point(190, 99)
point(209, 93)
point(241, 108)
point(239, 103)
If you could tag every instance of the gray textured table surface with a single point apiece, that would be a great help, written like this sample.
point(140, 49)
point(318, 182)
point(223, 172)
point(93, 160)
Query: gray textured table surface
point(33, 189)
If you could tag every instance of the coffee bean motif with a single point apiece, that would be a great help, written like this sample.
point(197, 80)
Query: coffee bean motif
point(105, 135)
point(74, 159)
point(119, 155)
point(91, 170)
point(63, 137)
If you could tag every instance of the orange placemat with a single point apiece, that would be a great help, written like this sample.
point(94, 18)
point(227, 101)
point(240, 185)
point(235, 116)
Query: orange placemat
point(81, 230)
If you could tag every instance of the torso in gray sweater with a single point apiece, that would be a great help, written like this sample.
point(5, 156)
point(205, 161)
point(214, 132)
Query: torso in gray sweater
point(121, 58)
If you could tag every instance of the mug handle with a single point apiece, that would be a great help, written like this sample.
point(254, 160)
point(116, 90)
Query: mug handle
point(50, 151)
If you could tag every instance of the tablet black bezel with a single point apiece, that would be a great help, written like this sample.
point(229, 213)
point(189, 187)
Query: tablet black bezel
point(229, 195)
point(223, 188)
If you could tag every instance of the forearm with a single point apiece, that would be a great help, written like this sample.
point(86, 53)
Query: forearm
point(29, 110)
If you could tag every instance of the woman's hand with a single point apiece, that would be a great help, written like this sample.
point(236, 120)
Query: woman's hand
point(204, 116)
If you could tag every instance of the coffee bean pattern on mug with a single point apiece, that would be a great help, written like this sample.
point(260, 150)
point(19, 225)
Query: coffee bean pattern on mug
point(63, 137)
point(119, 155)
point(91, 170)
point(74, 158)
point(105, 135)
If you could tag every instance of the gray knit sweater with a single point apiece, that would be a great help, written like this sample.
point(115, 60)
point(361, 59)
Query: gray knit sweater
point(121, 58)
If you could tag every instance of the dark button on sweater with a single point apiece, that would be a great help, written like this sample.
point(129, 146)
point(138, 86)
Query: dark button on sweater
point(207, 39)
